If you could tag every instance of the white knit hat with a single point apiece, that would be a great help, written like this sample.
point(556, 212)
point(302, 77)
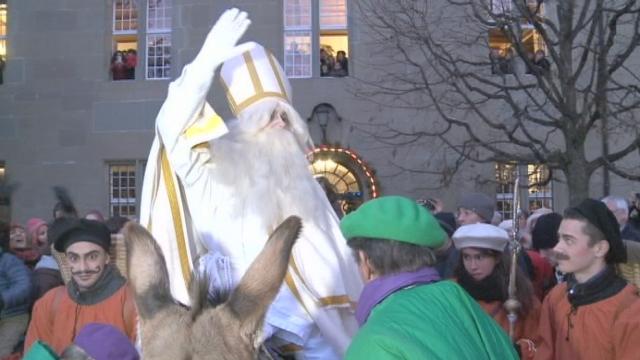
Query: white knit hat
point(253, 76)
point(483, 236)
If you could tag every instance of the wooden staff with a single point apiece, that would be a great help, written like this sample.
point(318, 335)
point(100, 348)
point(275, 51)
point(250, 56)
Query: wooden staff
point(512, 305)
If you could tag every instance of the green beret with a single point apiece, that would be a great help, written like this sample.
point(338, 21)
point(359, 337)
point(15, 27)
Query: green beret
point(394, 218)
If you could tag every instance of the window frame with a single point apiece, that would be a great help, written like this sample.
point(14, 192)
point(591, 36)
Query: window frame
point(529, 192)
point(164, 33)
point(138, 167)
point(4, 29)
point(315, 32)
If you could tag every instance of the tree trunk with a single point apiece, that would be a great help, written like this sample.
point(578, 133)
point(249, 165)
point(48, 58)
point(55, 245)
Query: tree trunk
point(577, 175)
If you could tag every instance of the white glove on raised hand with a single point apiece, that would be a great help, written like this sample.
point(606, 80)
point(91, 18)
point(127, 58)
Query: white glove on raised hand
point(220, 44)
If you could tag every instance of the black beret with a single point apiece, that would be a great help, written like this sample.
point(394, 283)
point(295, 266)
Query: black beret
point(545, 233)
point(66, 231)
point(597, 213)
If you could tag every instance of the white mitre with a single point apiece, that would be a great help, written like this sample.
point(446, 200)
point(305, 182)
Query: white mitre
point(255, 84)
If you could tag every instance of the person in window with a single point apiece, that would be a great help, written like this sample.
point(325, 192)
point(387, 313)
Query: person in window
point(341, 66)
point(506, 62)
point(118, 66)
point(541, 64)
point(326, 63)
point(2, 64)
point(131, 62)
point(494, 58)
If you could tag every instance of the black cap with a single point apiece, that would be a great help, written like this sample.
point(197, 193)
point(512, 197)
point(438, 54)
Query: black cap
point(597, 213)
point(545, 233)
point(447, 222)
point(67, 231)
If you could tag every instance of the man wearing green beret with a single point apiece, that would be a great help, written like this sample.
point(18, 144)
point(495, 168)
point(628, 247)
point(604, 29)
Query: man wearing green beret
point(405, 311)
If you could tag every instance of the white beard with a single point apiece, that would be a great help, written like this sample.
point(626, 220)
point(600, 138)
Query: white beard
point(269, 174)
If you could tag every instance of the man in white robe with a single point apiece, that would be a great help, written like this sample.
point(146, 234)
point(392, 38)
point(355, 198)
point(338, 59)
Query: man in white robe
point(212, 196)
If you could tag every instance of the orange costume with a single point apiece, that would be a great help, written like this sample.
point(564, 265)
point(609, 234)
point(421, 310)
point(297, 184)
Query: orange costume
point(526, 328)
point(605, 329)
point(57, 318)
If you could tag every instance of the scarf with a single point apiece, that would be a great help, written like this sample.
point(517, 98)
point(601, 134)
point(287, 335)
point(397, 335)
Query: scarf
point(488, 289)
point(380, 288)
point(107, 285)
point(603, 285)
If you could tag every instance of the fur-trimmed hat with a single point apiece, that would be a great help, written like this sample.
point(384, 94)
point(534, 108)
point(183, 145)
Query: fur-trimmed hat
point(479, 203)
point(394, 218)
point(484, 236)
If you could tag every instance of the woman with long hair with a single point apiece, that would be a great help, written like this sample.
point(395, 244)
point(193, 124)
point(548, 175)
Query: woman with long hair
point(483, 271)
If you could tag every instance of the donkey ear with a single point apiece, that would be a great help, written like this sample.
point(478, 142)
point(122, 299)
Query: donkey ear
point(260, 284)
point(148, 272)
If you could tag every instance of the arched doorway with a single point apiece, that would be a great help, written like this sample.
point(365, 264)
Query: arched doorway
point(351, 178)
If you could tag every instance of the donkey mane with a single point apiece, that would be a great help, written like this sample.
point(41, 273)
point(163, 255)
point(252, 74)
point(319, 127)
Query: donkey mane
point(199, 295)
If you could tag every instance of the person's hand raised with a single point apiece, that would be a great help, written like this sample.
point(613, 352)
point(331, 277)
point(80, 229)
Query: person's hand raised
point(220, 44)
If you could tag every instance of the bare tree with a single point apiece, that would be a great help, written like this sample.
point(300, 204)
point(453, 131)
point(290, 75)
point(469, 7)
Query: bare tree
point(466, 67)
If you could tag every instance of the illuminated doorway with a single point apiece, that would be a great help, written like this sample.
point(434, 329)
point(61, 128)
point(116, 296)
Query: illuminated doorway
point(350, 177)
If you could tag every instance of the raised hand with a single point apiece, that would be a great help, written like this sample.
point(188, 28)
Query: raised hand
point(220, 44)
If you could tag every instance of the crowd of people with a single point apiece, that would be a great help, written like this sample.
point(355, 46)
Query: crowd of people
point(568, 289)
point(91, 315)
point(395, 278)
point(123, 64)
point(331, 66)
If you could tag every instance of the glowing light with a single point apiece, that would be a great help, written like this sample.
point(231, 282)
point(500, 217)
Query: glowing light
point(365, 169)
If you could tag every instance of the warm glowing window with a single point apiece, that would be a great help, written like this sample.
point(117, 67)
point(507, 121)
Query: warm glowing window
point(300, 35)
point(540, 192)
point(342, 179)
point(334, 38)
point(124, 55)
point(537, 182)
point(159, 39)
point(3, 28)
point(502, 54)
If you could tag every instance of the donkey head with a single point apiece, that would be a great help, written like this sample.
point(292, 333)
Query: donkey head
point(231, 330)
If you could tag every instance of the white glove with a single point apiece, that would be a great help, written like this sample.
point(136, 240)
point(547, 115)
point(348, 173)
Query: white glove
point(220, 44)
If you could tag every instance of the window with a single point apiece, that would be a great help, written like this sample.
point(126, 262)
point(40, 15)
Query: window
point(540, 193)
point(502, 55)
point(505, 177)
point(537, 182)
point(301, 36)
point(297, 38)
point(501, 7)
point(3, 38)
point(505, 7)
point(125, 183)
point(158, 39)
point(124, 57)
